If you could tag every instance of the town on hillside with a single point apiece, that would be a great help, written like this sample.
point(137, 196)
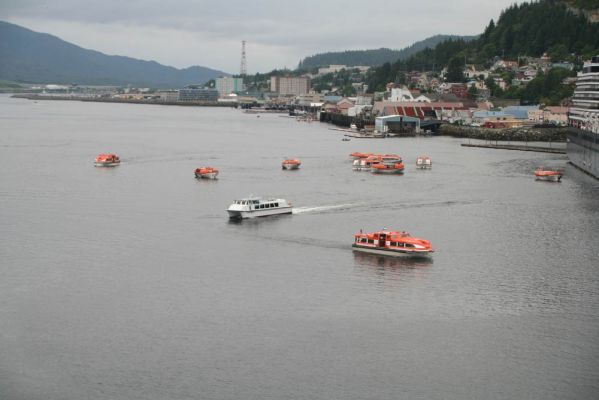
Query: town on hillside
point(340, 94)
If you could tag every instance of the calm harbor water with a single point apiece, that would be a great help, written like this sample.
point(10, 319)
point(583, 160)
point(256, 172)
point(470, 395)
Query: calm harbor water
point(131, 283)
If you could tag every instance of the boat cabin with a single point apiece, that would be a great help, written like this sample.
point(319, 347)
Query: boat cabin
point(256, 204)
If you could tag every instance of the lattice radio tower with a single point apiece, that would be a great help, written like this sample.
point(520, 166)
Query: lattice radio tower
point(243, 67)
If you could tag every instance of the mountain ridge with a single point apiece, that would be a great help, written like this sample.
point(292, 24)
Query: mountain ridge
point(27, 56)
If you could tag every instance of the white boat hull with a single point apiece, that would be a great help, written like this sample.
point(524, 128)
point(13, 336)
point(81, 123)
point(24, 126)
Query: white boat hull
point(392, 253)
point(550, 178)
point(424, 166)
point(102, 164)
point(234, 214)
point(211, 175)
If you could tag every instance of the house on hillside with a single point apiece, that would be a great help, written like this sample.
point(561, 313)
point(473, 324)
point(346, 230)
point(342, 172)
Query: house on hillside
point(505, 64)
point(401, 94)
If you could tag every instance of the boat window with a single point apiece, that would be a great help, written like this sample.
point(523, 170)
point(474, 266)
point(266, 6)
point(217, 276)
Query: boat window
point(261, 205)
point(371, 241)
point(363, 240)
point(392, 243)
point(276, 204)
point(400, 244)
point(409, 245)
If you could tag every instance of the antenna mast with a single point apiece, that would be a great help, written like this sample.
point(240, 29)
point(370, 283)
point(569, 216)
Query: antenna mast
point(243, 67)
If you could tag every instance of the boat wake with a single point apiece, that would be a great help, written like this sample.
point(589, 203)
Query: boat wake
point(377, 206)
point(321, 209)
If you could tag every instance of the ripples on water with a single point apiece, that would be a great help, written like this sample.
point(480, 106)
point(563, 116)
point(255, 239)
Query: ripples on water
point(132, 283)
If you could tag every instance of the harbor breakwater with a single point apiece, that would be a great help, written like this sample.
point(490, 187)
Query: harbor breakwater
point(522, 134)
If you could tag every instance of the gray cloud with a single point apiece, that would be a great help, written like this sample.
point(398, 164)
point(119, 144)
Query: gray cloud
point(279, 33)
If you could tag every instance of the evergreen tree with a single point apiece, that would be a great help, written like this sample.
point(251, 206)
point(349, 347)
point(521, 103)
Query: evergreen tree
point(455, 70)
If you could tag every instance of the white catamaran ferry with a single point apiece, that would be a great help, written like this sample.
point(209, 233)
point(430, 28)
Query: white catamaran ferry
point(253, 207)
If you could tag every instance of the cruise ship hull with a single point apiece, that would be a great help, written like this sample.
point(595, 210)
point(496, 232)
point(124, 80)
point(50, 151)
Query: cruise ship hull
point(583, 151)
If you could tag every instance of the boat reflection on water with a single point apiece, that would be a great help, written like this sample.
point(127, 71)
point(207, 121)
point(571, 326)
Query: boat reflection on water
point(395, 265)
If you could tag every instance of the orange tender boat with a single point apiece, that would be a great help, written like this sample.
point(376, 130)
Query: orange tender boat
point(545, 174)
point(390, 164)
point(107, 160)
point(206, 173)
point(365, 164)
point(391, 243)
point(291, 163)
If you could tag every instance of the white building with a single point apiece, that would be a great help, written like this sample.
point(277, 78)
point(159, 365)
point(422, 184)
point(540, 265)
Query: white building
point(401, 94)
point(227, 84)
point(331, 69)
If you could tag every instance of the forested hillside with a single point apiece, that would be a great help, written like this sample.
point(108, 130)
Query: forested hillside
point(527, 29)
point(377, 56)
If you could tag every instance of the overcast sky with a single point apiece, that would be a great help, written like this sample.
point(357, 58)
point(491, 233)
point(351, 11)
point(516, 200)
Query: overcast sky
point(279, 33)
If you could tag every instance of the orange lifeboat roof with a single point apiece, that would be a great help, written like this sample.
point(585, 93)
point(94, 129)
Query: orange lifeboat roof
point(357, 154)
point(547, 172)
point(106, 156)
point(291, 161)
point(206, 170)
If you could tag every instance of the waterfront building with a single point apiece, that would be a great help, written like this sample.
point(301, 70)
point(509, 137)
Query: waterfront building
point(519, 112)
point(344, 105)
point(292, 85)
point(550, 115)
point(583, 139)
point(482, 116)
point(227, 84)
point(168, 95)
point(309, 98)
point(397, 124)
point(422, 110)
point(198, 95)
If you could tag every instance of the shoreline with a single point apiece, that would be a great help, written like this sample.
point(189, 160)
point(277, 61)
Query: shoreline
point(125, 101)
